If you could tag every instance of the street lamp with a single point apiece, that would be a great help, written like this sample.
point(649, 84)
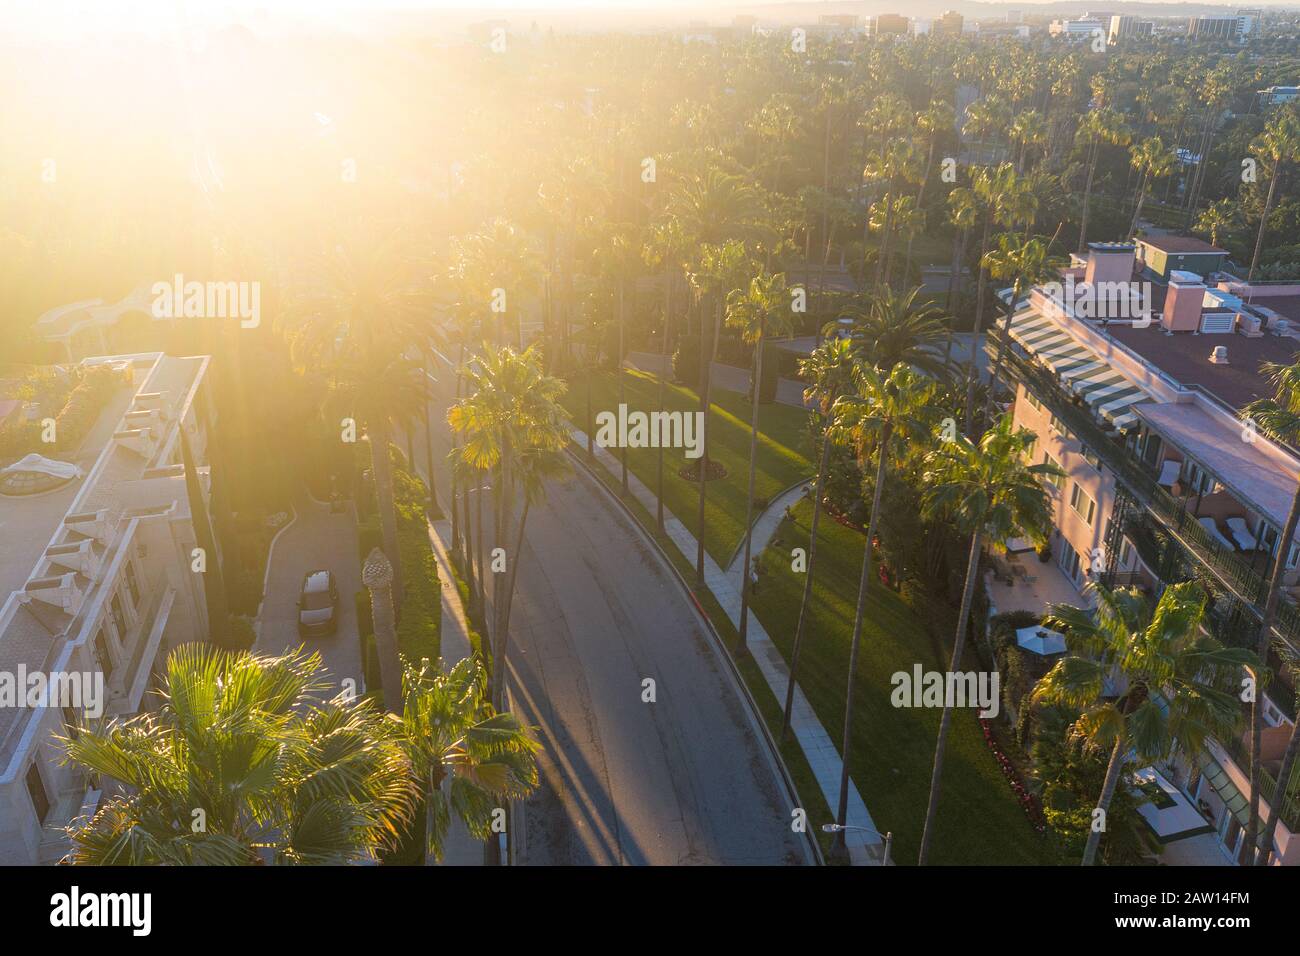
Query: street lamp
point(888, 837)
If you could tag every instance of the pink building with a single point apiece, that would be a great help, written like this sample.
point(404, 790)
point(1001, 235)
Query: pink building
point(1135, 387)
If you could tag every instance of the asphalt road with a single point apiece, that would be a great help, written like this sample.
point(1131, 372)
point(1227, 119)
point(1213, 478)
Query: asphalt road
point(687, 779)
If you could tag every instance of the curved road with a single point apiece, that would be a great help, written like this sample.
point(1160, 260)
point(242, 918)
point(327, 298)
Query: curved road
point(687, 779)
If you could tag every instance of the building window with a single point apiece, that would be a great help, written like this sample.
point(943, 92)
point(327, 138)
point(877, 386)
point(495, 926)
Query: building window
point(102, 656)
point(1197, 479)
point(1031, 448)
point(36, 790)
point(119, 617)
point(132, 585)
point(1091, 457)
point(1033, 401)
point(1057, 481)
point(1083, 505)
point(1071, 563)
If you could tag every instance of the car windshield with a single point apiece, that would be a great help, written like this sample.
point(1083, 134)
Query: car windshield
point(315, 600)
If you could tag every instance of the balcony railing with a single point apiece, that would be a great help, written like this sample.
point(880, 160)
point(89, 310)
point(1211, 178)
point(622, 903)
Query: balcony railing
point(1236, 747)
point(1247, 583)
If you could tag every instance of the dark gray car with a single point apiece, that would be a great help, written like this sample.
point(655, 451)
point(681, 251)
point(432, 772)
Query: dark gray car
point(318, 605)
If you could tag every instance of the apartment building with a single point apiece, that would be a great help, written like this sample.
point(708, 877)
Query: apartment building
point(1134, 379)
point(1078, 30)
point(97, 580)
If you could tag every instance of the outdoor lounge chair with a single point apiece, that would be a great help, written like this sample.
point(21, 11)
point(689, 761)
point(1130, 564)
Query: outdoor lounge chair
point(1169, 472)
point(1241, 534)
point(1212, 530)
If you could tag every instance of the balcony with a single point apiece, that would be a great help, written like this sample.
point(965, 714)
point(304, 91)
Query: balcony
point(1245, 582)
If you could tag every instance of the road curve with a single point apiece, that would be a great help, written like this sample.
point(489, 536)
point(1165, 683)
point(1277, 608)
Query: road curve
point(687, 779)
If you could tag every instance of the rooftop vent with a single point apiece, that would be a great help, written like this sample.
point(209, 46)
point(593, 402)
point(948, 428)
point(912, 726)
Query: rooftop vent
point(1220, 355)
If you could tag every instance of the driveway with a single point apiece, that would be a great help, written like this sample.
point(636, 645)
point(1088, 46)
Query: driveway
point(316, 539)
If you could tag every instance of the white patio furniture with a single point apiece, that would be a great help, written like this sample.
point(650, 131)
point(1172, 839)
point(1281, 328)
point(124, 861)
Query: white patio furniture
point(1169, 472)
point(1241, 534)
point(1212, 530)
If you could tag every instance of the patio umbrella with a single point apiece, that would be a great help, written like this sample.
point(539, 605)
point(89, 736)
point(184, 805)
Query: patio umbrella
point(1040, 640)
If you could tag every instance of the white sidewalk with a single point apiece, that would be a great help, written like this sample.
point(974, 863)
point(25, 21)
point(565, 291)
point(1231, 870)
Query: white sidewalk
point(865, 849)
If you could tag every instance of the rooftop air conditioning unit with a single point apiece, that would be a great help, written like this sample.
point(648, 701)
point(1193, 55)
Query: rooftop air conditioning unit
point(1249, 325)
point(1280, 327)
point(1220, 355)
point(1217, 323)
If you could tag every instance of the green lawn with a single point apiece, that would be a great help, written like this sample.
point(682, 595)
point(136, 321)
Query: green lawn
point(783, 449)
point(980, 821)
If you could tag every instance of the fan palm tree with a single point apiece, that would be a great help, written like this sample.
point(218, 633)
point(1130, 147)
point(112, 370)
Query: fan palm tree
point(830, 369)
point(1178, 682)
point(466, 758)
point(1152, 160)
point(511, 413)
point(1026, 264)
point(1027, 129)
point(882, 404)
point(664, 249)
point(1277, 146)
point(1216, 219)
point(1099, 127)
point(761, 309)
point(963, 213)
point(989, 492)
point(1279, 418)
point(243, 762)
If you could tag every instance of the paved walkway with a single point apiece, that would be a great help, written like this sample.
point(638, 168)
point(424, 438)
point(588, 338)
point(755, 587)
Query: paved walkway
point(819, 749)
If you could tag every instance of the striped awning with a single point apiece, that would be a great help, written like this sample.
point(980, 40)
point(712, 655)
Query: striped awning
point(1079, 369)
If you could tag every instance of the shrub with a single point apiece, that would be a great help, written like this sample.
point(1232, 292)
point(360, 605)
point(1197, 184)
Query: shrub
point(241, 634)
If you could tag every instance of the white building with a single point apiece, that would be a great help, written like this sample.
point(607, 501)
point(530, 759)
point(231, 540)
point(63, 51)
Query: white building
point(1077, 30)
point(96, 579)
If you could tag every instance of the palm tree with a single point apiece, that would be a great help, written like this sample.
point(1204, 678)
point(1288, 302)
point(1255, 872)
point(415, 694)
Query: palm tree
point(1279, 418)
point(989, 492)
point(664, 249)
point(511, 414)
point(243, 762)
point(377, 576)
point(1098, 127)
point(1153, 160)
point(991, 190)
point(1178, 682)
point(1027, 264)
point(1027, 129)
point(371, 308)
point(894, 328)
point(761, 309)
point(830, 369)
point(895, 162)
point(712, 212)
point(963, 213)
point(1278, 145)
point(466, 758)
point(881, 404)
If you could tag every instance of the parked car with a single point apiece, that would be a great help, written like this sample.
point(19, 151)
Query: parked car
point(318, 604)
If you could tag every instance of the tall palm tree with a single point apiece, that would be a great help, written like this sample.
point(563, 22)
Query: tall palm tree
point(989, 492)
point(1026, 264)
point(830, 369)
point(1027, 129)
point(1277, 146)
point(511, 413)
point(992, 190)
point(466, 758)
point(1216, 219)
point(1279, 418)
point(882, 404)
point(1178, 682)
point(714, 212)
point(370, 305)
point(243, 762)
point(1102, 126)
point(377, 577)
point(664, 249)
point(963, 213)
point(1152, 160)
point(761, 309)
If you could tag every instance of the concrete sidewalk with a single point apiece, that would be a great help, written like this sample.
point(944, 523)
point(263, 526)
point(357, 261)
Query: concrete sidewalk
point(865, 849)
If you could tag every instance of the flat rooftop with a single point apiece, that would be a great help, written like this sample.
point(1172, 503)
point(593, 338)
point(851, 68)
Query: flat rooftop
point(1182, 244)
point(1186, 357)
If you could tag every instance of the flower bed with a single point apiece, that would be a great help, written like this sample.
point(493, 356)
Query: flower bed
point(1028, 802)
